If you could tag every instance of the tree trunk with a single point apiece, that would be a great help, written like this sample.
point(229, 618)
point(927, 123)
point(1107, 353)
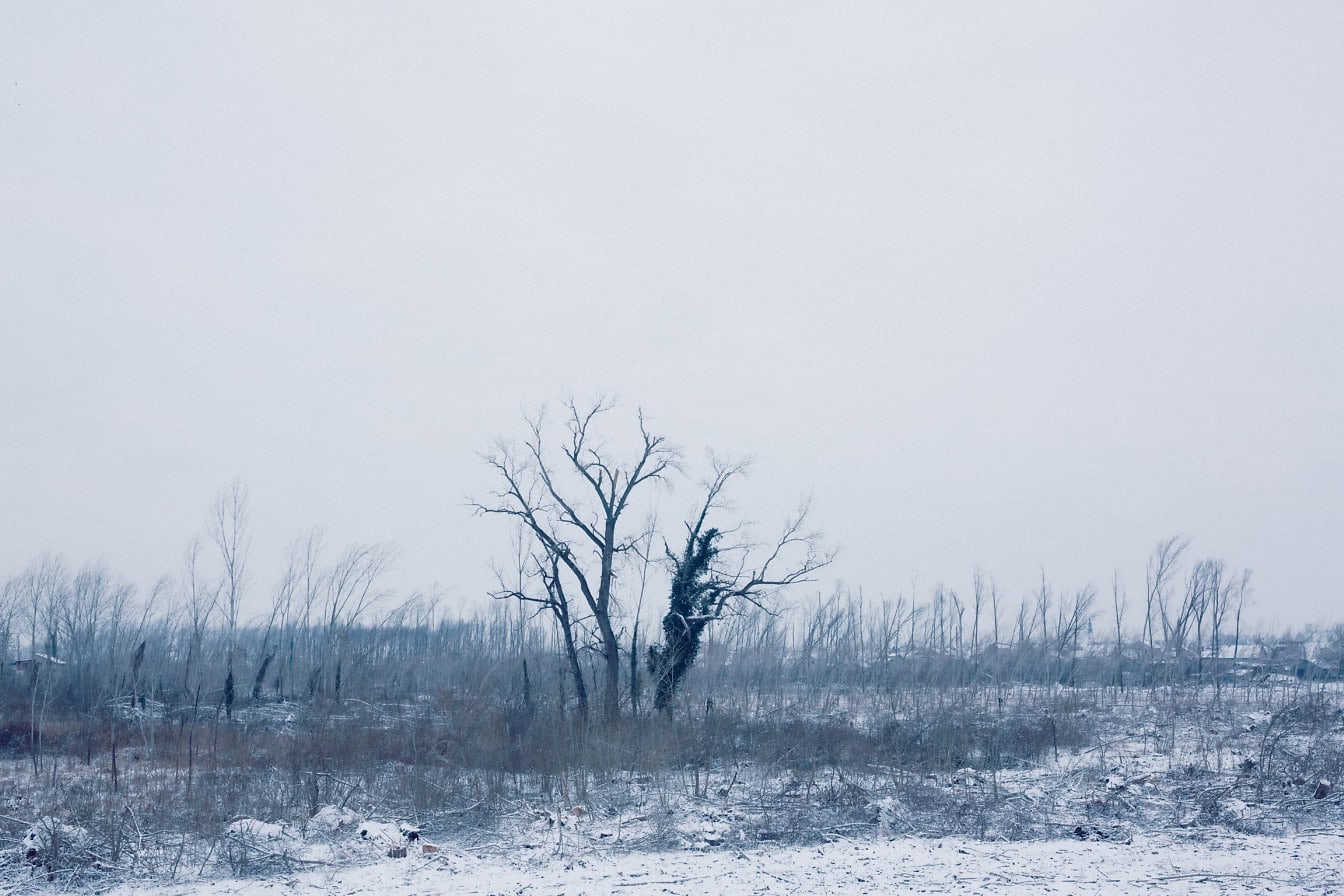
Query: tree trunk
point(575, 668)
point(611, 688)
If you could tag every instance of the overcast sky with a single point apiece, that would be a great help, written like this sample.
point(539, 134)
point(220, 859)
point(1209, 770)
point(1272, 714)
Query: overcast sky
point(1024, 286)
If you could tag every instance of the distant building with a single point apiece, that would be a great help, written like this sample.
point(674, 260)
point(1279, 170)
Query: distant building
point(23, 665)
point(1289, 651)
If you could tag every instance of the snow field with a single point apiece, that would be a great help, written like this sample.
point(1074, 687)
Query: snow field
point(1304, 864)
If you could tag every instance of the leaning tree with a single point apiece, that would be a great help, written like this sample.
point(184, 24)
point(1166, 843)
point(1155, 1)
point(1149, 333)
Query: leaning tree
point(720, 571)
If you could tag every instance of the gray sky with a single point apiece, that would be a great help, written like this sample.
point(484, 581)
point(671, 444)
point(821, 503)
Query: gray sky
point(1016, 285)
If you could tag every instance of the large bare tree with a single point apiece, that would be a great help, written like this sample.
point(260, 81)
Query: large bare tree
point(572, 498)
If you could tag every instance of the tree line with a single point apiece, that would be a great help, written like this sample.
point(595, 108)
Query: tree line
point(581, 493)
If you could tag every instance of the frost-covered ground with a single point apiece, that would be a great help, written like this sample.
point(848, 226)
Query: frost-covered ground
point(1167, 864)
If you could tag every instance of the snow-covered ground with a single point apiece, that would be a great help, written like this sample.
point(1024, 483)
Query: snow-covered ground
point(1308, 863)
point(1226, 795)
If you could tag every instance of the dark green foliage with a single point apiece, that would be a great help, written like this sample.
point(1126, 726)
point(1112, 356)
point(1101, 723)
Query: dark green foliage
point(695, 601)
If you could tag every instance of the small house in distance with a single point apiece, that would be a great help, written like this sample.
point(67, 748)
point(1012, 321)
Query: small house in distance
point(24, 665)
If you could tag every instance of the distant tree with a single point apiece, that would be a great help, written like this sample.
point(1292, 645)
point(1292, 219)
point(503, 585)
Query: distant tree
point(1073, 619)
point(39, 594)
point(1162, 565)
point(352, 587)
point(227, 527)
point(1118, 604)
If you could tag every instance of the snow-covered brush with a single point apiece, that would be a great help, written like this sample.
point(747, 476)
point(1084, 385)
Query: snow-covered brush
point(253, 830)
point(50, 842)
point(332, 818)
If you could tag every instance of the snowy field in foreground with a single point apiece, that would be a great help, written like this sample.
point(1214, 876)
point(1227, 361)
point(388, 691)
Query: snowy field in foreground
point(1227, 864)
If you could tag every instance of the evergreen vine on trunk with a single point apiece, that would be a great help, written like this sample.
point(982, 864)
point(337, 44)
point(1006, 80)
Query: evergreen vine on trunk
point(691, 607)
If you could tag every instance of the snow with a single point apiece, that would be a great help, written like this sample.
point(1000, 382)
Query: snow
point(381, 832)
point(1306, 863)
point(253, 830)
point(332, 818)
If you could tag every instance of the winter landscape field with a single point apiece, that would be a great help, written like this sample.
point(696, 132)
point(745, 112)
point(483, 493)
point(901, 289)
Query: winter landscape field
point(1127, 818)
point(751, 447)
point(883, 768)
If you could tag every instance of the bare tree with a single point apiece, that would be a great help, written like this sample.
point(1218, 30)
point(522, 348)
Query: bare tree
point(957, 615)
point(977, 606)
point(644, 550)
point(227, 527)
point(542, 569)
point(1044, 598)
point(994, 609)
point(39, 593)
point(1189, 616)
point(573, 499)
point(278, 624)
point(1118, 604)
point(351, 589)
point(1232, 599)
point(305, 558)
point(8, 613)
point(1240, 598)
point(1070, 624)
point(200, 599)
point(1162, 565)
